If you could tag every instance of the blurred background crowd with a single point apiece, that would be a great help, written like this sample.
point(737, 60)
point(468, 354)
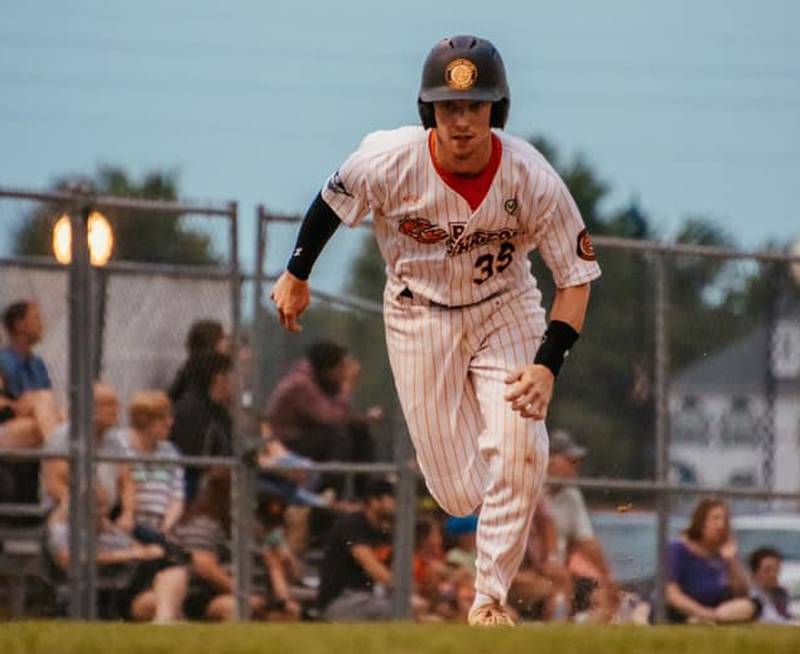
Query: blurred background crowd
point(324, 540)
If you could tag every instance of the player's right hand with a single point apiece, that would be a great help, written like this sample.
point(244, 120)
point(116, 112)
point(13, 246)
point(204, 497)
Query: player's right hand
point(291, 297)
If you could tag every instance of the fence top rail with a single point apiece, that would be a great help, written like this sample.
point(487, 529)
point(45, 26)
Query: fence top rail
point(221, 272)
point(110, 201)
point(618, 243)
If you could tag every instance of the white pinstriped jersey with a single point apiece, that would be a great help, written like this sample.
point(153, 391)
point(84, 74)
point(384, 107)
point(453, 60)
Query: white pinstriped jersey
point(436, 245)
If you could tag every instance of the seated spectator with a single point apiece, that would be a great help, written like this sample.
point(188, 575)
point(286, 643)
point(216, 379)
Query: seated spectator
point(706, 581)
point(462, 532)
point(577, 547)
point(765, 570)
point(310, 409)
point(203, 425)
point(281, 565)
point(442, 592)
point(203, 534)
point(159, 487)
point(22, 369)
point(28, 409)
point(112, 479)
point(355, 572)
point(18, 427)
point(152, 592)
point(204, 337)
point(542, 588)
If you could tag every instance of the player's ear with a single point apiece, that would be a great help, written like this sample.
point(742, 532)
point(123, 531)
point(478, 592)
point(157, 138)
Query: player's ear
point(426, 114)
point(499, 114)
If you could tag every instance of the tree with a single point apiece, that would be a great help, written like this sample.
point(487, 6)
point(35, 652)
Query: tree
point(140, 235)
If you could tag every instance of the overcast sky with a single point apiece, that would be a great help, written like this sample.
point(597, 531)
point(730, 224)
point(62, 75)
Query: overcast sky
point(691, 107)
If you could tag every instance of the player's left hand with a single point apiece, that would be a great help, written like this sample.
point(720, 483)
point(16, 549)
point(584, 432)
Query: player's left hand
point(531, 390)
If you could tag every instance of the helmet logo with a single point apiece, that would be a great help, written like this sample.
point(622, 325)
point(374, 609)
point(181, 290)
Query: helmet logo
point(461, 74)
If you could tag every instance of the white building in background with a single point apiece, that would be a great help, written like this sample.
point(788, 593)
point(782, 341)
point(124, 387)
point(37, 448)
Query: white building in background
point(720, 414)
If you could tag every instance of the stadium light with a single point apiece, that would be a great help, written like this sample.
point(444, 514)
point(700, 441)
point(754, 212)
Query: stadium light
point(100, 238)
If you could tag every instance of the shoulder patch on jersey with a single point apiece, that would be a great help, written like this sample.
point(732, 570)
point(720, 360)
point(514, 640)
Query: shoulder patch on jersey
point(585, 246)
point(511, 206)
point(422, 230)
point(336, 185)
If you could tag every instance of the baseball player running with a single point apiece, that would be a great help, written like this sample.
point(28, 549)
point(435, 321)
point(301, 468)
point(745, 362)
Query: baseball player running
point(457, 206)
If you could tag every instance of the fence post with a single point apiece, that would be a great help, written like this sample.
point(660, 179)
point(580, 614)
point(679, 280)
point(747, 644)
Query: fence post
point(81, 437)
point(241, 489)
point(662, 433)
point(404, 528)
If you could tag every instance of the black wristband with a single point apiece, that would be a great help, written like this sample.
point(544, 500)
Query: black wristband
point(318, 226)
point(557, 341)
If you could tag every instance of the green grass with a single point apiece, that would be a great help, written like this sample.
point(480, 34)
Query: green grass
point(57, 637)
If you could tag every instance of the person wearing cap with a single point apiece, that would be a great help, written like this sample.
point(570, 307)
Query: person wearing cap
point(577, 547)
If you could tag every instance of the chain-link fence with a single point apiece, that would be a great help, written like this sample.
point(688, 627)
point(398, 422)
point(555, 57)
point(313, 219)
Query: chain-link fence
point(124, 324)
point(685, 384)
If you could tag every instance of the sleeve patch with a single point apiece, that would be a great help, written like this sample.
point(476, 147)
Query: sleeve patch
point(585, 246)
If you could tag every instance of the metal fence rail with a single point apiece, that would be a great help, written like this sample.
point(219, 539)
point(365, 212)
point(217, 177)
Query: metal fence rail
point(663, 263)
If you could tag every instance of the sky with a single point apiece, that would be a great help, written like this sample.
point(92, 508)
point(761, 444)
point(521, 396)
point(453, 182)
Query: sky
point(687, 107)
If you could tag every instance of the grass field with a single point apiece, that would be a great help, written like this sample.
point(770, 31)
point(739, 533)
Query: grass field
point(55, 637)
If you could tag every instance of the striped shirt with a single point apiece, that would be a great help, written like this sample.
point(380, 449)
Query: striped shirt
point(202, 533)
point(157, 485)
point(432, 240)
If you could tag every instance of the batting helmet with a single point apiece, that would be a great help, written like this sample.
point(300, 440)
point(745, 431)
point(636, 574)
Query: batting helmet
point(464, 68)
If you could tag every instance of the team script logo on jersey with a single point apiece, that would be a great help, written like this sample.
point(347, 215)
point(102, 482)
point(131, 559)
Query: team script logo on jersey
point(336, 185)
point(585, 246)
point(422, 230)
point(478, 239)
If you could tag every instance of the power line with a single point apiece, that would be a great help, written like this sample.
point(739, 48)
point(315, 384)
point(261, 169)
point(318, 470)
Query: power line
point(375, 89)
point(267, 133)
point(193, 50)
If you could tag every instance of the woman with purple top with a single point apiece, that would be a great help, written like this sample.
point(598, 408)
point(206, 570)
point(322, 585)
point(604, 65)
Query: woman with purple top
point(707, 583)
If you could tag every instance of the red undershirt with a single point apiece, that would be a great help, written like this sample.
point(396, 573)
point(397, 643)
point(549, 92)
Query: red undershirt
point(473, 188)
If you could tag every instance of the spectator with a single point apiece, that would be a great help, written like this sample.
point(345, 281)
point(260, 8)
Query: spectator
point(112, 480)
point(151, 592)
point(765, 569)
point(281, 565)
point(443, 592)
point(577, 548)
point(159, 487)
point(203, 534)
point(462, 530)
point(17, 427)
point(203, 425)
point(542, 588)
point(23, 370)
point(204, 337)
point(25, 387)
point(309, 410)
point(706, 581)
point(355, 572)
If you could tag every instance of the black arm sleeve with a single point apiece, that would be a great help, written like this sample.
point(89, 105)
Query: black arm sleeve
point(318, 226)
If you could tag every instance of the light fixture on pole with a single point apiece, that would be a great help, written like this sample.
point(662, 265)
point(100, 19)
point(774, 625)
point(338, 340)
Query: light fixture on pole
point(100, 237)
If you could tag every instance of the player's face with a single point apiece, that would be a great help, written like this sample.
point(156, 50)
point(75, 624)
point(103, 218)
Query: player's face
point(463, 127)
